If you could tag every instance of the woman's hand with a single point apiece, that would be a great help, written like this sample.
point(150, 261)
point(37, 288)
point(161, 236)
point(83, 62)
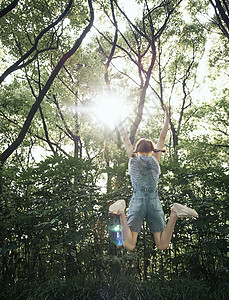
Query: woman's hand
point(166, 111)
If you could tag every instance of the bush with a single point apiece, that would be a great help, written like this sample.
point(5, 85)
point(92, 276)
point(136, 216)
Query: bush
point(116, 288)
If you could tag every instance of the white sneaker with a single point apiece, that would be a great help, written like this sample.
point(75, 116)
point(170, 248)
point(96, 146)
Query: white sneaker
point(183, 211)
point(118, 207)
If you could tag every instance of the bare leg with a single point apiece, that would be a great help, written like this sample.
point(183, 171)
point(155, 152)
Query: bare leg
point(128, 236)
point(162, 239)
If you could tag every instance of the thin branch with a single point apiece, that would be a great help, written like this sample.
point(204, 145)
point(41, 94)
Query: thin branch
point(65, 132)
point(158, 34)
point(118, 46)
point(218, 145)
point(62, 118)
point(46, 130)
point(7, 9)
point(113, 46)
point(33, 134)
point(14, 67)
point(131, 24)
point(123, 73)
point(222, 131)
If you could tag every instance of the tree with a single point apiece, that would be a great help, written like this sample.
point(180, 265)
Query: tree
point(44, 86)
point(138, 44)
point(221, 18)
point(54, 215)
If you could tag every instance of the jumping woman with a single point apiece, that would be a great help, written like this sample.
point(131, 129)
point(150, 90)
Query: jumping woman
point(144, 171)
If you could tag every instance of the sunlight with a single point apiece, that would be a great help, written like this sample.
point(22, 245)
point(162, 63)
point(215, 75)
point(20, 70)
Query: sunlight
point(110, 110)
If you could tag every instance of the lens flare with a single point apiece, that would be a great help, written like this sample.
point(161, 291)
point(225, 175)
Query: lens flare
point(115, 230)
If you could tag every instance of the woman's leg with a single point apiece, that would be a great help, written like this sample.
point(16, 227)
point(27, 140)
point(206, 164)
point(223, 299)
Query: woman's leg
point(129, 237)
point(162, 239)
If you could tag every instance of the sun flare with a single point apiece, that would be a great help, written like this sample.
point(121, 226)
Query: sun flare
point(110, 110)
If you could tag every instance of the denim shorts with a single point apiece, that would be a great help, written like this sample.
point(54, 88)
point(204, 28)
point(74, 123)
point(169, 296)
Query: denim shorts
point(145, 203)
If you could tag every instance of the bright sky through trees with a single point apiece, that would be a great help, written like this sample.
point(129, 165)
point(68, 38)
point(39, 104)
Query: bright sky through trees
point(110, 109)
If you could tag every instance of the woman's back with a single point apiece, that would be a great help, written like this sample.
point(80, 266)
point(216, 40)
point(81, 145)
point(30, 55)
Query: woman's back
point(149, 162)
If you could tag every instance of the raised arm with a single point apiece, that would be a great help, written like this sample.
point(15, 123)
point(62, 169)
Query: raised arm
point(161, 141)
point(128, 145)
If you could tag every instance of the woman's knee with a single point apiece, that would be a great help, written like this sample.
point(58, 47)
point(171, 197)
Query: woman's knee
point(162, 246)
point(129, 245)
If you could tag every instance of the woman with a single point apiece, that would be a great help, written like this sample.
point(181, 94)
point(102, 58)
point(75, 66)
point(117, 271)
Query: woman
point(144, 171)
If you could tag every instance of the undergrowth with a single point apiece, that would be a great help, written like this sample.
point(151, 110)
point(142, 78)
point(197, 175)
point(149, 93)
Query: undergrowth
point(116, 288)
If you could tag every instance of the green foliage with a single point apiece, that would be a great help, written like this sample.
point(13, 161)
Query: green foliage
point(15, 99)
point(218, 55)
point(21, 26)
point(121, 287)
point(214, 133)
point(204, 189)
point(47, 216)
point(53, 215)
point(54, 222)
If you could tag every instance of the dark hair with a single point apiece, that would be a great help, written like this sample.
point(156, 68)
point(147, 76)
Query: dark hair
point(145, 146)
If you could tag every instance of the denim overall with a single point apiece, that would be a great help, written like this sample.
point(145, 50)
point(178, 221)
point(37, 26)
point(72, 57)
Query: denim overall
point(145, 202)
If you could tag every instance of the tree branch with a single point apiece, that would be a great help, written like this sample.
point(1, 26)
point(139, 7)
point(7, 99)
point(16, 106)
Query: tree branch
point(62, 118)
point(46, 131)
point(220, 14)
point(35, 135)
point(138, 118)
point(7, 9)
point(113, 47)
point(4, 156)
point(14, 67)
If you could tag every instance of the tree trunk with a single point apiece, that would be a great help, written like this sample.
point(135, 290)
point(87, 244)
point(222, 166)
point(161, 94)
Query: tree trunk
point(138, 118)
